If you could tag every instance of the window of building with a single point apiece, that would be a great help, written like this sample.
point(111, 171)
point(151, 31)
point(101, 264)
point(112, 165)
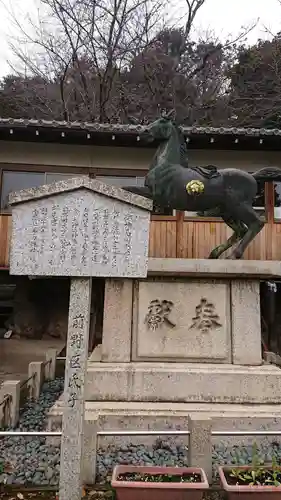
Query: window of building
point(59, 177)
point(259, 201)
point(121, 181)
point(277, 200)
point(16, 181)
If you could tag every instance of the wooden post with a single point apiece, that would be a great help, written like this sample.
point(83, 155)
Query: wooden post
point(180, 235)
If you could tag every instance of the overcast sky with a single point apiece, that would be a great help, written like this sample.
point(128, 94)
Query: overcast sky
point(225, 17)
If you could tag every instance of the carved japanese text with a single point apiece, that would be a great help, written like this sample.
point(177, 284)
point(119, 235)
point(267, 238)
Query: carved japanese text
point(158, 313)
point(206, 317)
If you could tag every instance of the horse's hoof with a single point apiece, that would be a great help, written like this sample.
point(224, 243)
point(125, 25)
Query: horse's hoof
point(213, 255)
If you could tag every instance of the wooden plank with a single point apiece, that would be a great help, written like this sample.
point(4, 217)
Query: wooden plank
point(162, 238)
point(180, 234)
point(157, 245)
point(5, 236)
point(151, 249)
point(269, 201)
point(171, 239)
point(276, 241)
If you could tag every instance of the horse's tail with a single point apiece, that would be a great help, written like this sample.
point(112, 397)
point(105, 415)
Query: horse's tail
point(268, 174)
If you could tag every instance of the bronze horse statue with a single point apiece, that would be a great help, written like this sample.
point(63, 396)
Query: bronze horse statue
point(228, 193)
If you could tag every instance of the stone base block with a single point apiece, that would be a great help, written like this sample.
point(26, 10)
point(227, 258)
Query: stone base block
point(179, 382)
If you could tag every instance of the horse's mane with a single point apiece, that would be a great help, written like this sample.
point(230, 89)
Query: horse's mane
point(183, 149)
point(183, 146)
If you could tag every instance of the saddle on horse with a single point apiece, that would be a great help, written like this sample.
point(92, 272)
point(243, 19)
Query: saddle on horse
point(208, 172)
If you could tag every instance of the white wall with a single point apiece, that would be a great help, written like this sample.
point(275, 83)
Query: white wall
point(125, 158)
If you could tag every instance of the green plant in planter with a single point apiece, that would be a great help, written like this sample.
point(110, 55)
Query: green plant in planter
point(258, 474)
point(275, 475)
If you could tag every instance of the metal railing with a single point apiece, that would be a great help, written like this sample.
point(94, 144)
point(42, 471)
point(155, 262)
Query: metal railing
point(25, 382)
point(5, 400)
point(187, 433)
point(5, 415)
point(128, 432)
point(246, 433)
point(30, 433)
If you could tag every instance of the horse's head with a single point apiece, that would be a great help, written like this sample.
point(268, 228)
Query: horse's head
point(161, 129)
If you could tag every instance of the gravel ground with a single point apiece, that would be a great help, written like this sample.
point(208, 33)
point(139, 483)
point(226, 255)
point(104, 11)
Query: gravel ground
point(162, 453)
point(31, 461)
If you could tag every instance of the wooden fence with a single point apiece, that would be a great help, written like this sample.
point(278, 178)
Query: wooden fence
point(191, 239)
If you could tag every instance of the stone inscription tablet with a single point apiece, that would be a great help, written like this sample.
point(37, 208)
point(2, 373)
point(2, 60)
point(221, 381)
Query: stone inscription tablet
point(182, 321)
point(79, 233)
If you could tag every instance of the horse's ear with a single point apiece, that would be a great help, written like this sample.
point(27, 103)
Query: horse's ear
point(133, 120)
point(170, 113)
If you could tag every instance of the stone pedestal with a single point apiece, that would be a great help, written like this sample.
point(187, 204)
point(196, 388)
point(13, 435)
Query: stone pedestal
point(209, 317)
point(188, 338)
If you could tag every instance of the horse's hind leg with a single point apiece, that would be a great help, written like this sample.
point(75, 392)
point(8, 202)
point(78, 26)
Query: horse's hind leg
point(247, 215)
point(239, 230)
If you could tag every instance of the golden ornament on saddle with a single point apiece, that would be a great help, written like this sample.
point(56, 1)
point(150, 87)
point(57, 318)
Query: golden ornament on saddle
point(195, 187)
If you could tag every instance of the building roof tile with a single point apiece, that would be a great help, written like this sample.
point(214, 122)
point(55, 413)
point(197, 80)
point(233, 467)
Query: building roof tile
point(133, 129)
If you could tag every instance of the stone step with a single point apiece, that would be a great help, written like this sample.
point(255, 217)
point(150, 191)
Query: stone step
point(218, 410)
point(162, 416)
point(211, 410)
point(182, 367)
point(183, 382)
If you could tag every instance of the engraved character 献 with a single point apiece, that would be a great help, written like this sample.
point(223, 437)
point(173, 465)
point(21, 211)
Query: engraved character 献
point(158, 313)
